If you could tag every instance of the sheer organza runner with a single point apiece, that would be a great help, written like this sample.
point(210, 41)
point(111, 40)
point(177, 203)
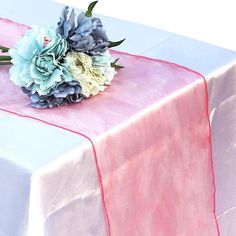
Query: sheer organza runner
point(150, 136)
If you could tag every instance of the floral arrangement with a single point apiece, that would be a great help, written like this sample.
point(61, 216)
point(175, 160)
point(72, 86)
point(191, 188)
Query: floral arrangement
point(59, 65)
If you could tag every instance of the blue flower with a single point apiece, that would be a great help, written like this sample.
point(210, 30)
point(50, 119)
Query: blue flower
point(63, 93)
point(87, 35)
point(38, 61)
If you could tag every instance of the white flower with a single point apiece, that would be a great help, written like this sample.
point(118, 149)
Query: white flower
point(93, 73)
point(103, 62)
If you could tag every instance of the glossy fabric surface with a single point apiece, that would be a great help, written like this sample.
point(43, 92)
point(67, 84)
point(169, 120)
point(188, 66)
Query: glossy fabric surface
point(151, 135)
point(219, 67)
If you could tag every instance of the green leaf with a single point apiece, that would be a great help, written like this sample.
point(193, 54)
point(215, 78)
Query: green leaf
point(4, 49)
point(116, 66)
point(88, 13)
point(115, 44)
point(5, 63)
point(5, 58)
point(116, 60)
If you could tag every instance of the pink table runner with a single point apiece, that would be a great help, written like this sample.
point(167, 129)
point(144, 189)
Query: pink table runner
point(151, 138)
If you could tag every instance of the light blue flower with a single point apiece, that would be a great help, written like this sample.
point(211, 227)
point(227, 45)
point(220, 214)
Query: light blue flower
point(38, 60)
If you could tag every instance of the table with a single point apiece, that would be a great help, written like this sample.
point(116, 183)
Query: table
point(23, 170)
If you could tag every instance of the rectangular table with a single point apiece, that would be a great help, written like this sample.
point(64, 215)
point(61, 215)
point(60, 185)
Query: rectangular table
point(20, 171)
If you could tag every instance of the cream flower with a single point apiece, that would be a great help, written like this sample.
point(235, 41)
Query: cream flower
point(91, 78)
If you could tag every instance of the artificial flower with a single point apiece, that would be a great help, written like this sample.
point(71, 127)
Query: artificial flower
point(91, 79)
point(87, 35)
point(57, 66)
point(103, 62)
point(63, 93)
point(37, 60)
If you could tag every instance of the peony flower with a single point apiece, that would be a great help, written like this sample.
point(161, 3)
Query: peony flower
point(37, 60)
point(90, 77)
point(103, 63)
point(64, 93)
point(86, 36)
point(93, 73)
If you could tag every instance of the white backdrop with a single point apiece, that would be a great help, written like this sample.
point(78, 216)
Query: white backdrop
point(212, 21)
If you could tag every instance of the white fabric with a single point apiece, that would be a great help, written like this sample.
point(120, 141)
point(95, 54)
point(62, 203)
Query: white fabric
point(65, 197)
point(34, 163)
point(223, 100)
point(30, 152)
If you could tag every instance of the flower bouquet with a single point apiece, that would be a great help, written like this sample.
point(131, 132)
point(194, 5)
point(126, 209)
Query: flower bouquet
point(59, 65)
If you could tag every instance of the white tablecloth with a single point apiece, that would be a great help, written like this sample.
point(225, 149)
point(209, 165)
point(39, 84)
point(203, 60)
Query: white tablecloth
point(30, 151)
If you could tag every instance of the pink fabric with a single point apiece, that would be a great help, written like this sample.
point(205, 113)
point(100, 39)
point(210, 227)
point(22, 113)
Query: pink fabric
point(151, 134)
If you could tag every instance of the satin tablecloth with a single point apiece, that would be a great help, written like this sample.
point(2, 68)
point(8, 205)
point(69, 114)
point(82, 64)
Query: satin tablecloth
point(151, 151)
point(18, 164)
